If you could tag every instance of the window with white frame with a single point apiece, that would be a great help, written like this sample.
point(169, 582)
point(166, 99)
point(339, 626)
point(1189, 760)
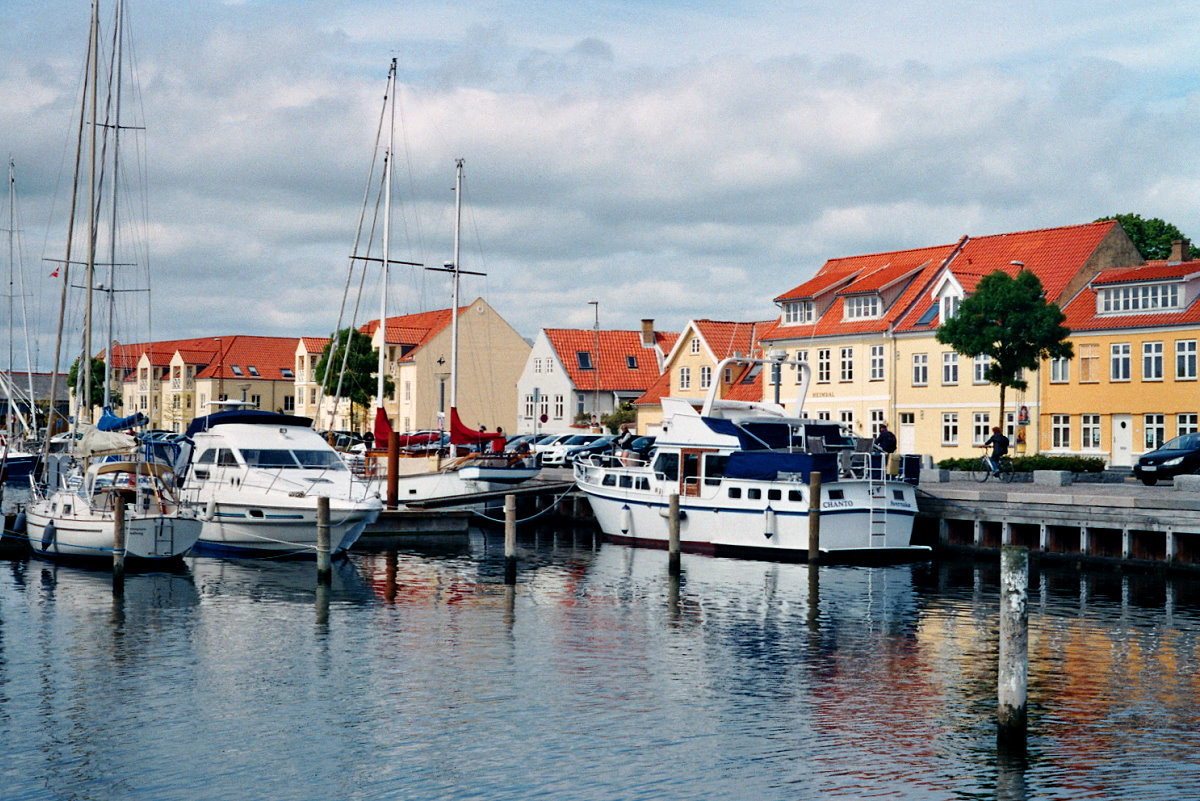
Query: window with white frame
point(558, 407)
point(1060, 371)
point(981, 428)
point(1089, 363)
point(801, 356)
point(695, 344)
point(877, 362)
point(950, 367)
point(1010, 426)
point(549, 365)
point(948, 307)
point(949, 428)
point(1145, 298)
point(823, 365)
point(1152, 361)
point(685, 378)
point(797, 312)
point(847, 365)
point(1185, 360)
point(1060, 431)
point(1156, 430)
point(981, 363)
point(537, 365)
point(529, 406)
point(1119, 357)
point(846, 416)
point(728, 375)
point(705, 377)
point(580, 401)
point(544, 406)
point(825, 415)
point(862, 307)
point(1089, 432)
point(920, 374)
point(876, 416)
point(1188, 423)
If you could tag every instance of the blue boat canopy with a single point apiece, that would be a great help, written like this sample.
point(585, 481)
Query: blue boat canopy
point(110, 422)
point(767, 465)
point(254, 417)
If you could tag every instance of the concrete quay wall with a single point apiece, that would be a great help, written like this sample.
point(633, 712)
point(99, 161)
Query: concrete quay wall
point(1124, 524)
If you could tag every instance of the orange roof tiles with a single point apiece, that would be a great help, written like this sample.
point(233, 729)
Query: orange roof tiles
point(726, 338)
point(268, 355)
point(1150, 271)
point(611, 367)
point(1081, 311)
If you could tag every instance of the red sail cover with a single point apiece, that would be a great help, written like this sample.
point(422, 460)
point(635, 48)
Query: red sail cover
point(461, 435)
point(383, 429)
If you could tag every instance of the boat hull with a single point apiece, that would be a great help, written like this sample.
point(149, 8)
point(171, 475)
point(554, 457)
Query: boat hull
point(860, 520)
point(244, 528)
point(147, 537)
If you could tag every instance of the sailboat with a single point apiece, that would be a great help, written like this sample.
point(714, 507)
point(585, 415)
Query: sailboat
point(15, 462)
point(482, 466)
point(77, 519)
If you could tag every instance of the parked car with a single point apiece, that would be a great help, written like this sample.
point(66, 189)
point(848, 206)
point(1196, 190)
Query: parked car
point(1177, 457)
point(549, 441)
point(554, 454)
point(605, 443)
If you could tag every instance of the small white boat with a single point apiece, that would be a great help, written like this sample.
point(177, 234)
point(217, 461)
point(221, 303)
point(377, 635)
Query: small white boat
point(741, 471)
point(255, 476)
point(78, 520)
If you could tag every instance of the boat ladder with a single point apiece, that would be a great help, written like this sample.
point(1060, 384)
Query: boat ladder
point(877, 502)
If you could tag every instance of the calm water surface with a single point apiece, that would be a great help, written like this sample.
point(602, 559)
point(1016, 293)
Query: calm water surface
point(421, 676)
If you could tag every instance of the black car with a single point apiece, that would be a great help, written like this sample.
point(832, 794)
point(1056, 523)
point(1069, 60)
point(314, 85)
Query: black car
point(1178, 457)
point(600, 445)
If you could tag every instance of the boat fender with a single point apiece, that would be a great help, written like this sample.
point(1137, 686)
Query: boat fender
point(626, 519)
point(210, 511)
point(769, 523)
point(19, 523)
point(48, 535)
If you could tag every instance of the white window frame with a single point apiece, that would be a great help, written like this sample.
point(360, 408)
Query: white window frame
point(861, 307)
point(824, 365)
point(695, 346)
point(876, 418)
point(981, 427)
point(1089, 432)
point(1187, 423)
point(949, 429)
point(797, 312)
point(876, 363)
point(1152, 361)
point(949, 368)
point(979, 370)
point(1060, 371)
point(705, 376)
point(846, 365)
point(948, 307)
point(1185, 360)
point(1155, 430)
point(801, 356)
point(920, 375)
point(1060, 431)
point(685, 378)
point(1119, 357)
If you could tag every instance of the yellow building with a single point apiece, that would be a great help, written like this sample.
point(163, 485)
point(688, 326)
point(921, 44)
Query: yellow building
point(1133, 383)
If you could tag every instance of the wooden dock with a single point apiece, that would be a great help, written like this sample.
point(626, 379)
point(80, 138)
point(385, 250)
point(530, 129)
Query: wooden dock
point(1118, 523)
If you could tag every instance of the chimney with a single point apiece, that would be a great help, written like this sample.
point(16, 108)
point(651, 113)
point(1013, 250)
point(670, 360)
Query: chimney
point(1179, 251)
point(647, 333)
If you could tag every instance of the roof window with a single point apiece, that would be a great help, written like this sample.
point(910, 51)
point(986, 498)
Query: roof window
point(585, 359)
point(631, 362)
point(253, 370)
point(237, 370)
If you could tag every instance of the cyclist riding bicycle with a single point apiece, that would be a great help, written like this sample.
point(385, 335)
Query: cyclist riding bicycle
point(999, 444)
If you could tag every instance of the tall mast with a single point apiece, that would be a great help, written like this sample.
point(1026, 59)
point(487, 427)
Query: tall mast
point(112, 233)
point(85, 410)
point(12, 196)
point(387, 230)
point(454, 308)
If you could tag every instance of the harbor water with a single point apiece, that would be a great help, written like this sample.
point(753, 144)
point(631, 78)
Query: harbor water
point(420, 675)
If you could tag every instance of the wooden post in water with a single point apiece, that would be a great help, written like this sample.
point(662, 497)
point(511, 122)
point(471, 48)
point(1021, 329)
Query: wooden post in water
point(510, 539)
point(324, 568)
point(673, 566)
point(118, 570)
point(1014, 647)
point(814, 516)
point(393, 470)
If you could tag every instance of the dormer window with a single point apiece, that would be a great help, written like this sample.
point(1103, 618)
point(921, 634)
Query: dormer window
point(1144, 298)
point(585, 359)
point(948, 307)
point(862, 307)
point(797, 312)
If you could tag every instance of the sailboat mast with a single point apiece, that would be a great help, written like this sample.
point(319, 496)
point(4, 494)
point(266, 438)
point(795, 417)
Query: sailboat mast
point(112, 233)
point(85, 410)
point(387, 230)
point(12, 198)
point(454, 308)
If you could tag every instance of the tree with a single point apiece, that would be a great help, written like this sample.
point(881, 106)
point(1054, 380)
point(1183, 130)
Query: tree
point(1152, 237)
point(73, 381)
point(625, 413)
point(1009, 320)
point(359, 383)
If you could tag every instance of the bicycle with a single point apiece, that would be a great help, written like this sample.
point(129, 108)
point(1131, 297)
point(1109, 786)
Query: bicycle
point(983, 469)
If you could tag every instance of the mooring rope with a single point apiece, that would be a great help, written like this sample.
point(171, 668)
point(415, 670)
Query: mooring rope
point(531, 517)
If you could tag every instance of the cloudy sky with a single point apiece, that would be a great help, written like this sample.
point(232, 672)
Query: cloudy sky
point(666, 159)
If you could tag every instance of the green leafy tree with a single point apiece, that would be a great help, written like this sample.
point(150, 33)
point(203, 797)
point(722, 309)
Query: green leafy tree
point(1152, 237)
point(360, 382)
point(97, 382)
point(625, 413)
point(1009, 320)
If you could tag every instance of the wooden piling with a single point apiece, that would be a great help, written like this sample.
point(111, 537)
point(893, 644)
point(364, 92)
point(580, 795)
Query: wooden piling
point(673, 564)
point(510, 539)
point(393, 470)
point(814, 516)
point(118, 569)
point(1013, 676)
point(324, 568)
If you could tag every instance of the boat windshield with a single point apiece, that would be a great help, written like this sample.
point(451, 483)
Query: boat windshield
point(268, 457)
point(320, 460)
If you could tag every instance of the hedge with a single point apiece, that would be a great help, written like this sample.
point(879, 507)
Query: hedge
point(1027, 464)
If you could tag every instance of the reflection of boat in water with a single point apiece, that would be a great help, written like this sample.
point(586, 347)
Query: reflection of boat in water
point(741, 471)
point(284, 580)
point(148, 593)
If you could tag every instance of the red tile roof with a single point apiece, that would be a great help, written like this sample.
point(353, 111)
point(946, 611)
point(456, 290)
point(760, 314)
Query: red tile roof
point(268, 355)
point(725, 338)
point(833, 274)
point(1055, 255)
point(611, 371)
point(1081, 311)
point(1150, 271)
point(315, 344)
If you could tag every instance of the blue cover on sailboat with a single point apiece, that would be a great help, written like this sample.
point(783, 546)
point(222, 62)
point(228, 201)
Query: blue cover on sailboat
point(250, 416)
point(110, 422)
point(766, 465)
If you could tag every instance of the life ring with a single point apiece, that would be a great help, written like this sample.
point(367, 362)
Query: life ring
point(48, 534)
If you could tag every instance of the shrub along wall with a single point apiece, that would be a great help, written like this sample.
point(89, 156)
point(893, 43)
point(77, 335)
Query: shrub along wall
point(1027, 464)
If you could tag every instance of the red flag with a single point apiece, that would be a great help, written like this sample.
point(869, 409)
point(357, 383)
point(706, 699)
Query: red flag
point(383, 429)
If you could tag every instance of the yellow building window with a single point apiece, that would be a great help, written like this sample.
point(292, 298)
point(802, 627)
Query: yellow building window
point(1089, 364)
